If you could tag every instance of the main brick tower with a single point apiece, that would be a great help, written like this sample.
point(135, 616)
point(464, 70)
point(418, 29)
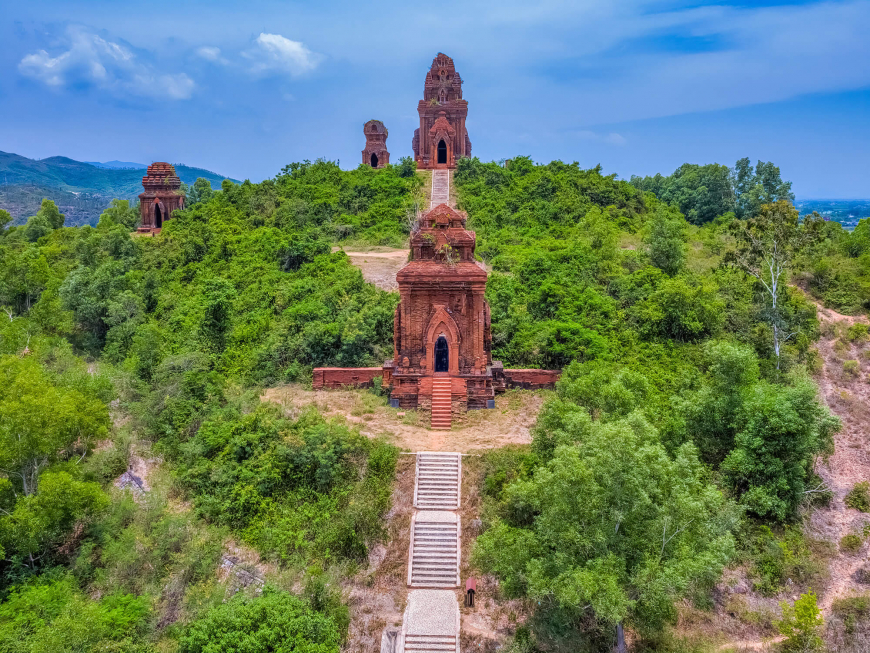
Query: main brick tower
point(441, 137)
point(442, 324)
point(162, 196)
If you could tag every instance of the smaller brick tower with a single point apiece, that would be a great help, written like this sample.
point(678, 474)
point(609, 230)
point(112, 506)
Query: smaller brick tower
point(162, 196)
point(375, 154)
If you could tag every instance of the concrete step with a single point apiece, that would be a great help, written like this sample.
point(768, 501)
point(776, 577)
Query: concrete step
point(434, 556)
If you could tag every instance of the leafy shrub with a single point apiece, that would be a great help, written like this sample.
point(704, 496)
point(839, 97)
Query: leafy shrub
point(273, 622)
point(859, 497)
point(776, 559)
point(801, 623)
point(851, 368)
point(851, 543)
point(53, 615)
point(858, 332)
point(290, 487)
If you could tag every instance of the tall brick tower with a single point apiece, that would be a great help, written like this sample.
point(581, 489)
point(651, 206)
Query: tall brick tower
point(441, 137)
point(162, 196)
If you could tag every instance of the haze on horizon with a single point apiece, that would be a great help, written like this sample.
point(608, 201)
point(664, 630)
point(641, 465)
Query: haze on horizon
point(639, 86)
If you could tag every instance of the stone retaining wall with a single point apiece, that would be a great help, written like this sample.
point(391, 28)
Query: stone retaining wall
point(532, 379)
point(331, 378)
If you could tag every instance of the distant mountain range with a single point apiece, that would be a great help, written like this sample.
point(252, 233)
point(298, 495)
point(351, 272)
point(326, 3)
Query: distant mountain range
point(118, 165)
point(80, 189)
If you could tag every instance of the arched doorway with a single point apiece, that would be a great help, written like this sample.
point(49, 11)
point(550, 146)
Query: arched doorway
point(442, 151)
point(374, 160)
point(442, 355)
point(158, 219)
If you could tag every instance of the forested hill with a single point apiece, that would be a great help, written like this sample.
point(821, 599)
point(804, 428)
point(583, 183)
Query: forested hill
point(687, 407)
point(81, 190)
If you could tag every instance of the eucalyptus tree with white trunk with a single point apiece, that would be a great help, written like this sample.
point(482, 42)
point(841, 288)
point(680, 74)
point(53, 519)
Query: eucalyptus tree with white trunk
point(766, 247)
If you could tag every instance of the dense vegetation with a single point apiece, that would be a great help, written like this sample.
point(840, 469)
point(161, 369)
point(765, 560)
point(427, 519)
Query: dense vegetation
point(239, 291)
point(684, 402)
point(681, 437)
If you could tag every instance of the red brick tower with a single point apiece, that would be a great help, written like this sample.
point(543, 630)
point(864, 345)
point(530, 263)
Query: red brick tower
point(375, 154)
point(162, 196)
point(442, 324)
point(441, 138)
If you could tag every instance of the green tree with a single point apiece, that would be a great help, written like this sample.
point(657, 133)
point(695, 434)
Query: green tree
point(201, 191)
point(52, 615)
point(5, 219)
point(51, 213)
point(37, 227)
point(755, 188)
point(766, 248)
point(41, 423)
point(780, 430)
point(801, 624)
point(121, 213)
point(710, 413)
point(41, 521)
point(218, 296)
point(612, 528)
point(666, 242)
point(276, 622)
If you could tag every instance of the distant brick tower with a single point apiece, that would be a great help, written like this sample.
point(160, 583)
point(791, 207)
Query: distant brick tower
point(162, 196)
point(441, 138)
point(375, 154)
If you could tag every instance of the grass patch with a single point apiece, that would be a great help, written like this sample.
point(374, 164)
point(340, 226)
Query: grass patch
point(859, 497)
point(852, 611)
point(787, 554)
point(851, 543)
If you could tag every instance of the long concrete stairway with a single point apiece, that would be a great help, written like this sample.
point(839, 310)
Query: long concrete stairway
point(442, 410)
point(440, 188)
point(434, 549)
point(438, 481)
point(432, 622)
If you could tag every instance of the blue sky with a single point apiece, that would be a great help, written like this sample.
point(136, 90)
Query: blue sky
point(639, 86)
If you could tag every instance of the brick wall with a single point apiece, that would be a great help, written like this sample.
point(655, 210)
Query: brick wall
point(532, 379)
point(330, 378)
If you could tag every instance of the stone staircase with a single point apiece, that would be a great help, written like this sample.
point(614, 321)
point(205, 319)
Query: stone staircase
point(434, 559)
point(442, 408)
point(432, 622)
point(430, 643)
point(438, 481)
point(440, 188)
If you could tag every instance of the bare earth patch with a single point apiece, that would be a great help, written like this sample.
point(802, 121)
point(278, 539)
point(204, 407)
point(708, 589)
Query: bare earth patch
point(847, 394)
point(509, 423)
point(379, 266)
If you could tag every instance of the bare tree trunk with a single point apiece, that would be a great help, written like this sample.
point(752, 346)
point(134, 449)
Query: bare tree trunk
point(620, 639)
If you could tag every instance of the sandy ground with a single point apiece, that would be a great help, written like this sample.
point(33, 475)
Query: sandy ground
point(379, 266)
point(509, 423)
point(848, 396)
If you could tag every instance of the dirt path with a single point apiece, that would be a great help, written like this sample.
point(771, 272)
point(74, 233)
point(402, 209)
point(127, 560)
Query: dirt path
point(379, 266)
point(848, 396)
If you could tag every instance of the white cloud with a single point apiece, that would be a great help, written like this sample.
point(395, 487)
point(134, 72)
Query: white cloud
point(276, 54)
point(91, 60)
point(211, 53)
